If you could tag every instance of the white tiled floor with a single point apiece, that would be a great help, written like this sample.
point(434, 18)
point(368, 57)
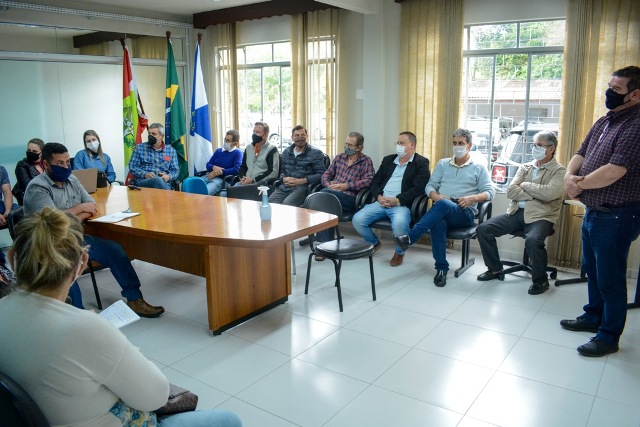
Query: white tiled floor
point(470, 354)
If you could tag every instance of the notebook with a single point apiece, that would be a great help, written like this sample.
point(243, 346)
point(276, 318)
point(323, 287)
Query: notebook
point(88, 178)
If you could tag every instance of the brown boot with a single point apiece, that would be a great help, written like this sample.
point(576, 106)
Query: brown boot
point(396, 260)
point(142, 309)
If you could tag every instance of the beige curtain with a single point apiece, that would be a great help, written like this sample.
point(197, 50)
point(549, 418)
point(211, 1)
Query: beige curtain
point(222, 72)
point(314, 45)
point(431, 73)
point(601, 37)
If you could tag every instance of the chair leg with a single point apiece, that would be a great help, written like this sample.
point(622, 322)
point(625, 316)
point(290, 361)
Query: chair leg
point(306, 286)
point(338, 266)
point(293, 259)
point(515, 266)
point(373, 280)
point(95, 285)
point(466, 260)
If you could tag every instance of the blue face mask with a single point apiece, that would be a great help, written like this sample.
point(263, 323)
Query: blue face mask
point(59, 173)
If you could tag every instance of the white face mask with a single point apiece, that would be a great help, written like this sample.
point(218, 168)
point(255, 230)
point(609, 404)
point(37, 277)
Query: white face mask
point(93, 146)
point(227, 146)
point(538, 153)
point(459, 151)
point(400, 150)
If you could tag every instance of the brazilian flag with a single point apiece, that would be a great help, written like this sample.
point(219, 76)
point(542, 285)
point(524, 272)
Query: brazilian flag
point(175, 127)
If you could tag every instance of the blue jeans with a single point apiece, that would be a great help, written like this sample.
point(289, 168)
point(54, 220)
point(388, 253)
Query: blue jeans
point(348, 204)
point(606, 238)
point(156, 182)
point(111, 255)
point(442, 215)
point(214, 185)
point(208, 418)
point(534, 237)
point(400, 217)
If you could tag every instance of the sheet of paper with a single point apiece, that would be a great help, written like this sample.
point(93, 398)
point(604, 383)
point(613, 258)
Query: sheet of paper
point(119, 314)
point(115, 217)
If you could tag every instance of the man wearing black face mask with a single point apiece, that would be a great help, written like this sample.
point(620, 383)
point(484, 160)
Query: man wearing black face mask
point(260, 161)
point(154, 164)
point(58, 188)
point(605, 176)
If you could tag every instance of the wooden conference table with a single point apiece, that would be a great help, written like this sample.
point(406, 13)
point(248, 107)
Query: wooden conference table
point(246, 261)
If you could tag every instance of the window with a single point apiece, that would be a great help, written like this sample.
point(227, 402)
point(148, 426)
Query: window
point(512, 82)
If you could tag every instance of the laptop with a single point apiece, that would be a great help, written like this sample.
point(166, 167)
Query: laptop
point(88, 178)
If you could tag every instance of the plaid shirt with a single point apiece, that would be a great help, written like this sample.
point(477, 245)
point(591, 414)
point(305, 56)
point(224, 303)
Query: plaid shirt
point(615, 139)
point(146, 159)
point(358, 175)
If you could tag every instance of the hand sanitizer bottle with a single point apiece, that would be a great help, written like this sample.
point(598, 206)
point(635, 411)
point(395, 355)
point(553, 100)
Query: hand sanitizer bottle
point(265, 207)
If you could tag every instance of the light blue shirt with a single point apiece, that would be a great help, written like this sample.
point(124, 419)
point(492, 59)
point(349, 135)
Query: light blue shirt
point(393, 187)
point(449, 179)
point(84, 160)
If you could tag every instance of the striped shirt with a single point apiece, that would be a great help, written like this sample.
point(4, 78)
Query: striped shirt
point(358, 175)
point(147, 159)
point(615, 139)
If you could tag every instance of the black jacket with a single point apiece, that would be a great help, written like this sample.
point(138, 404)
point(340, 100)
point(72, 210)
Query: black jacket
point(414, 180)
point(25, 172)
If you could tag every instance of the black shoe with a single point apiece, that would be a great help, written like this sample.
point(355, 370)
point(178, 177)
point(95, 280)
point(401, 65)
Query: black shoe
point(538, 289)
point(579, 325)
point(441, 278)
point(597, 348)
point(490, 275)
point(402, 241)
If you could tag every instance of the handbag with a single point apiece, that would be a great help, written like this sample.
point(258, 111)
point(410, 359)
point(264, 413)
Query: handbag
point(180, 400)
point(102, 180)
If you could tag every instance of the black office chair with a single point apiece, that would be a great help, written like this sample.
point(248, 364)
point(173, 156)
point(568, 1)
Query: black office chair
point(17, 408)
point(462, 233)
point(525, 265)
point(14, 218)
point(365, 197)
point(339, 249)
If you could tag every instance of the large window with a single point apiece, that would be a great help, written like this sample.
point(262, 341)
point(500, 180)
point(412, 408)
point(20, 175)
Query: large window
point(511, 89)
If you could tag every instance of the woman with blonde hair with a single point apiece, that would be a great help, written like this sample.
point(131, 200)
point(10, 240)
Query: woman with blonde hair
point(93, 157)
point(77, 366)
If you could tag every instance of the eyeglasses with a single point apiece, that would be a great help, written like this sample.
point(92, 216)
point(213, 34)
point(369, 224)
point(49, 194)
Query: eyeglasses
point(542, 146)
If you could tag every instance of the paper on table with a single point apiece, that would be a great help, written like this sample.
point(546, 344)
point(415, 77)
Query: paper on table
point(119, 314)
point(115, 217)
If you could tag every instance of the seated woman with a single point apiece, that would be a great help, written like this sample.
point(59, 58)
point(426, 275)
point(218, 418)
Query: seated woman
point(28, 168)
point(6, 204)
point(77, 366)
point(93, 157)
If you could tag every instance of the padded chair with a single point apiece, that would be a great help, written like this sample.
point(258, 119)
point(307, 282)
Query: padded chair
point(14, 218)
point(463, 233)
point(525, 265)
point(17, 408)
point(365, 197)
point(194, 185)
point(336, 250)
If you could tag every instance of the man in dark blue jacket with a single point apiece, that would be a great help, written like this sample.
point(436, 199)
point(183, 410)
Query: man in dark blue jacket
point(301, 165)
point(399, 180)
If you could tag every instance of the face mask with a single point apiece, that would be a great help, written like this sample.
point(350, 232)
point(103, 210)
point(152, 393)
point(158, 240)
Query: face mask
point(614, 99)
point(32, 157)
point(349, 151)
point(256, 139)
point(460, 151)
point(93, 146)
point(400, 151)
point(152, 140)
point(227, 146)
point(59, 173)
point(538, 153)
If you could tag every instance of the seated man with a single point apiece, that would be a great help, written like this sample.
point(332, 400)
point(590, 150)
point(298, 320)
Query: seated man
point(302, 165)
point(225, 161)
point(536, 198)
point(399, 180)
point(154, 164)
point(57, 187)
point(6, 204)
point(456, 187)
point(261, 161)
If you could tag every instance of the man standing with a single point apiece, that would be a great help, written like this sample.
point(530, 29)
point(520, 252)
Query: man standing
point(225, 161)
point(58, 188)
point(455, 188)
point(302, 165)
point(261, 161)
point(605, 175)
point(399, 180)
point(536, 198)
point(154, 164)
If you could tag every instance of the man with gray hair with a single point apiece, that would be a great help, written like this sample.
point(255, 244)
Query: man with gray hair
point(154, 164)
point(536, 198)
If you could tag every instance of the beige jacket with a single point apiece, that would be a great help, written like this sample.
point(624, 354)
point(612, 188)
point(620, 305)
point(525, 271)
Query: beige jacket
point(542, 195)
